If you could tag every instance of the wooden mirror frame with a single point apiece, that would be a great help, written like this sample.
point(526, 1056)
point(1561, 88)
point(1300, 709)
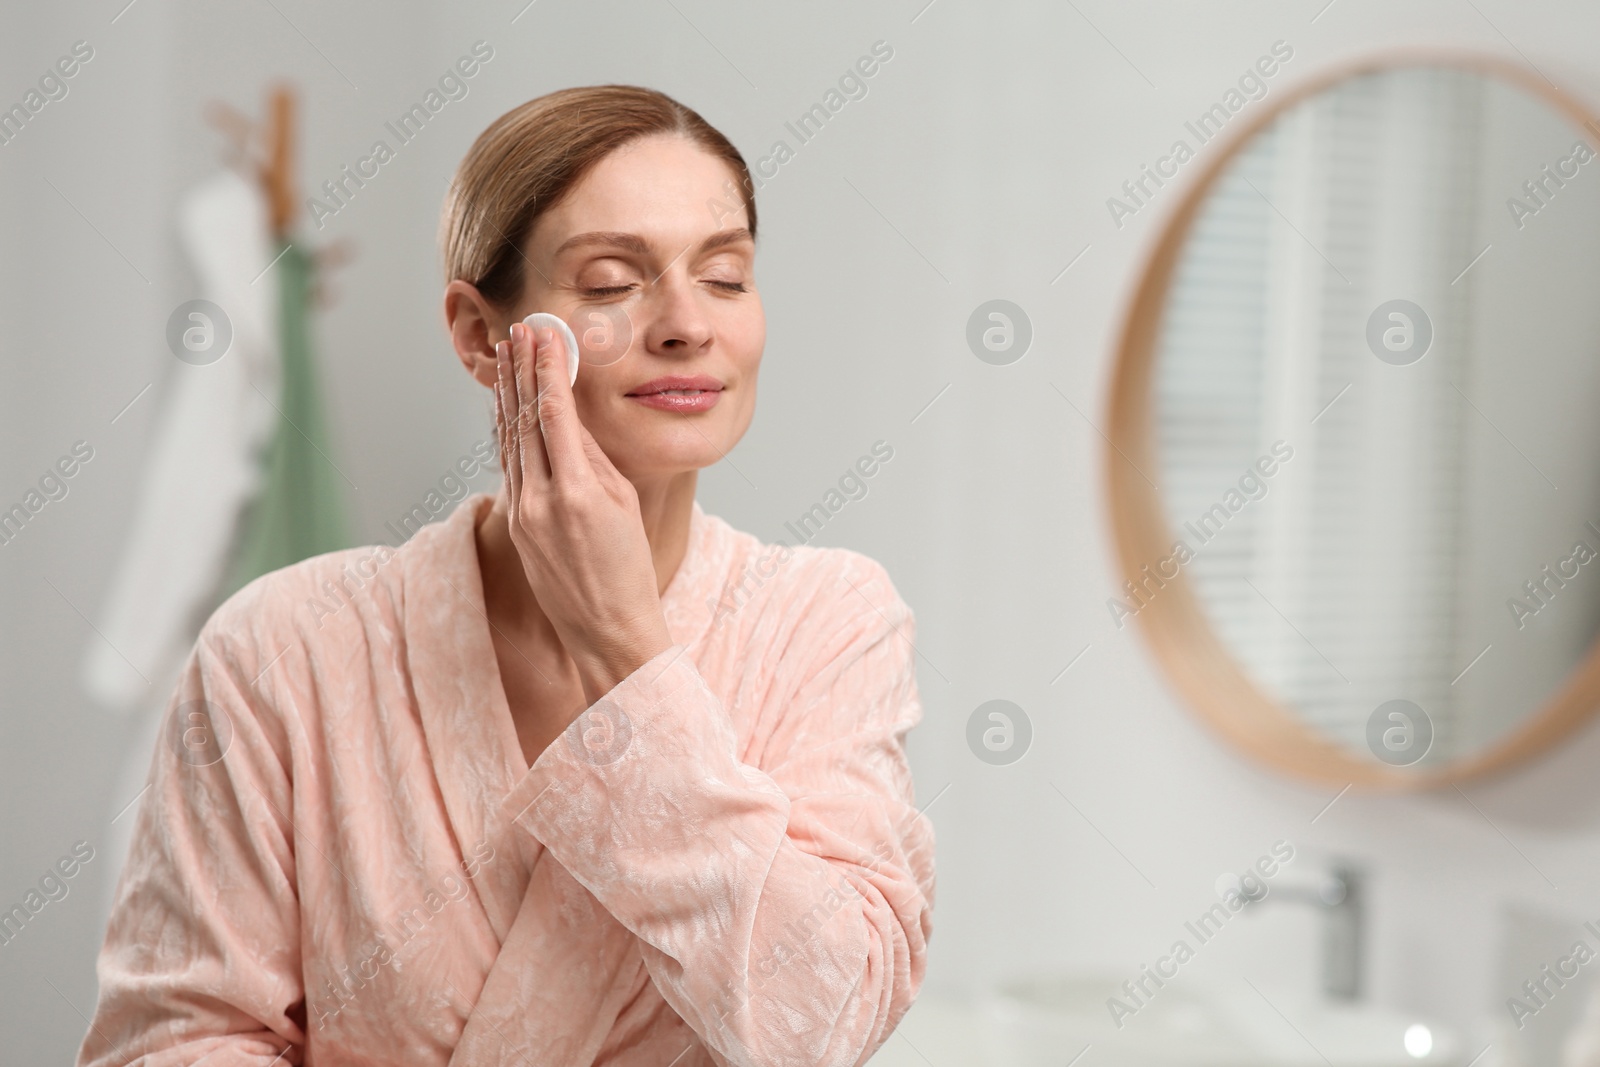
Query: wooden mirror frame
point(1177, 630)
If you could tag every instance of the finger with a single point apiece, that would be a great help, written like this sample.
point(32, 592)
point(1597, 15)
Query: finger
point(506, 419)
point(598, 460)
point(535, 462)
point(558, 415)
point(503, 400)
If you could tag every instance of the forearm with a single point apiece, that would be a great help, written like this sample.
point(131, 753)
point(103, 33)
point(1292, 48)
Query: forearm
point(752, 909)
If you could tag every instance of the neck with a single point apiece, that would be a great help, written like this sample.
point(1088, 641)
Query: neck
point(665, 505)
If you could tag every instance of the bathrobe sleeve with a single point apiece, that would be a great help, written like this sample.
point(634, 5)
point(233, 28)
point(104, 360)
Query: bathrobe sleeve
point(784, 909)
point(201, 959)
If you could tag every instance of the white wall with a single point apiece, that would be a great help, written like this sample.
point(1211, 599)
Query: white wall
point(980, 163)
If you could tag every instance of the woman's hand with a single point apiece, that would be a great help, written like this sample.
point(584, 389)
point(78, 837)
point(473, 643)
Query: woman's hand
point(574, 518)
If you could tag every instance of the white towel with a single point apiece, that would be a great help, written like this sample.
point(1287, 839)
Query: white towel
point(203, 469)
point(205, 457)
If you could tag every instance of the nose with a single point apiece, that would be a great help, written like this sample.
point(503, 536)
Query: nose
point(677, 324)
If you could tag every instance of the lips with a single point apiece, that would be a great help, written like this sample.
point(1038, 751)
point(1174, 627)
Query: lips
point(676, 392)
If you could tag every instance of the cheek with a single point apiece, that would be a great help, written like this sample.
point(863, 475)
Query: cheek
point(611, 419)
point(590, 393)
point(736, 413)
point(743, 338)
point(748, 338)
point(742, 349)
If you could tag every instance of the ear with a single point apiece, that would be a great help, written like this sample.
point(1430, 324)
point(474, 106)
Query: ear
point(474, 328)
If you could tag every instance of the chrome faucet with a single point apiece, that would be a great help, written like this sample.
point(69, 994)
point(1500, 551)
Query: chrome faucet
point(1339, 895)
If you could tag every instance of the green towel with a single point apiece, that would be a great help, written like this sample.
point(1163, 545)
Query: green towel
point(300, 509)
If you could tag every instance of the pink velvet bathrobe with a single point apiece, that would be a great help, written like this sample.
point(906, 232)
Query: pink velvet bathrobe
point(344, 859)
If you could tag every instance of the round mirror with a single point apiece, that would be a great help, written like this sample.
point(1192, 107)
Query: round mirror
point(1356, 476)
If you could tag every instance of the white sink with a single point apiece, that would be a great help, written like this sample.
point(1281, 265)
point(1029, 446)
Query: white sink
point(1186, 1024)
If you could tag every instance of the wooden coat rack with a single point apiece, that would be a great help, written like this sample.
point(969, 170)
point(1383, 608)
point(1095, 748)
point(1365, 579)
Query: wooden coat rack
point(274, 169)
point(272, 166)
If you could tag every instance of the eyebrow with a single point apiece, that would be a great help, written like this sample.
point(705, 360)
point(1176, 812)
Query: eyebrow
point(632, 242)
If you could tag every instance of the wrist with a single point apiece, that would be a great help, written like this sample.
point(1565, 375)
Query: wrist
point(603, 669)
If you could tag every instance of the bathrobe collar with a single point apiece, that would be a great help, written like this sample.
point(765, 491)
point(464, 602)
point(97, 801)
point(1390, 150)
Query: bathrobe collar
point(455, 677)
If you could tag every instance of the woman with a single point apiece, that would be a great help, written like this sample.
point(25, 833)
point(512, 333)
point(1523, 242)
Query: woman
point(580, 774)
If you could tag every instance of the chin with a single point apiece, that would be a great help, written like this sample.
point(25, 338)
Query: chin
point(661, 440)
point(668, 453)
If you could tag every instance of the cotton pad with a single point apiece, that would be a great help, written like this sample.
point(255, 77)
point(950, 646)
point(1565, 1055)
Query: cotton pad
point(555, 322)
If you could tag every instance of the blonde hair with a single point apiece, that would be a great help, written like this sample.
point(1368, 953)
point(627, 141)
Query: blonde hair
point(534, 154)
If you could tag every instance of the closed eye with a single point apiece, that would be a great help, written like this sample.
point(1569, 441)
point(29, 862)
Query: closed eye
point(615, 290)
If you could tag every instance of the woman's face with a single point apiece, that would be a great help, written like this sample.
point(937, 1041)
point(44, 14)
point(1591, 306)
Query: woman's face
point(652, 242)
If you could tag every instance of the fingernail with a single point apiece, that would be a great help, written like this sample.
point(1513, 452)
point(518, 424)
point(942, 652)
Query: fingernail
point(546, 335)
point(515, 335)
